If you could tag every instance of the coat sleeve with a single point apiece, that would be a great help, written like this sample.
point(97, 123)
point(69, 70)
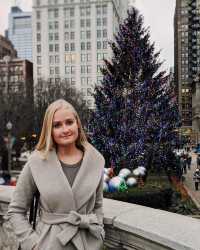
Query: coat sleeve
point(18, 207)
point(98, 208)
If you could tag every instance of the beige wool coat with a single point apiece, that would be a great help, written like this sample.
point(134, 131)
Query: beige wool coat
point(71, 218)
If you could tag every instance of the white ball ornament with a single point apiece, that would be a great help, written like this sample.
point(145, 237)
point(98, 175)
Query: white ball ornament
point(124, 172)
point(131, 181)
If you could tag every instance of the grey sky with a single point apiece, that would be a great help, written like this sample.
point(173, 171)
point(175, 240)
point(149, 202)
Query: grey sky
point(158, 15)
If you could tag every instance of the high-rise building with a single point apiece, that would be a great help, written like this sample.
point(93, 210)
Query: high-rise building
point(70, 40)
point(187, 62)
point(6, 48)
point(20, 32)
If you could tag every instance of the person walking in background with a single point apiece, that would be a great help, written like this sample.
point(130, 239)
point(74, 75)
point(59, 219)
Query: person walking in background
point(189, 161)
point(196, 178)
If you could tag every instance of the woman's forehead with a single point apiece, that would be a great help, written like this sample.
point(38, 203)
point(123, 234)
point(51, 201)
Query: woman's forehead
point(63, 114)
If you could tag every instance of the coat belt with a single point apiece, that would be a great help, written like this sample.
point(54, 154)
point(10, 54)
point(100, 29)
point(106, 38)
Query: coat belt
point(74, 221)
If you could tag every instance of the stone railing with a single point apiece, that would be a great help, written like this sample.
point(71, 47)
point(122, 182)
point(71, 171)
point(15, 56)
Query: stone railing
point(127, 227)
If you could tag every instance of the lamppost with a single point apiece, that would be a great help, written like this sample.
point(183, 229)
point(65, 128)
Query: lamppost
point(9, 145)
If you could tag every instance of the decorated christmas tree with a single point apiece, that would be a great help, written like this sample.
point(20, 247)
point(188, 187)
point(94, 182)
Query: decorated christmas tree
point(135, 113)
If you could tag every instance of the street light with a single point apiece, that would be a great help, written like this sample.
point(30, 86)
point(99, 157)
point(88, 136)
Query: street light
point(9, 145)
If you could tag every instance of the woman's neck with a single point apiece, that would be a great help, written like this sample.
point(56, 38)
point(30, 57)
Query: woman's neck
point(67, 150)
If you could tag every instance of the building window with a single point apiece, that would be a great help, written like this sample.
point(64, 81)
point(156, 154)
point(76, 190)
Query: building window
point(38, 48)
point(56, 36)
point(105, 33)
point(73, 82)
point(50, 25)
point(38, 26)
point(72, 12)
point(98, 21)
point(56, 13)
point(98, 33)
point(82, 23)
point(51, 59)
point(50, 36)
point(105, 44)
point(66, 24)
point(57, 47)
point(88, 45)
point(83, 69)
point(50, 47)
point(82, 34)
point(57, 59)
point(66, 35)
point(72, 46)
point(72, 24)
point(39, 60)
point(88, 23)
point(57, 70)
point(73, 70)
point(38, 14)
point(82, 46)
point(104, 10)
point(83, 57)
point(89, 57)
point(56, 25)
point(104, 21)
point(67, 70)
point(83, 81)
point(89, 69)
point(72, 35)
point(98, 45)
point(39, 71)
point(51, 70)
point(66, 46)
point(73, 58)
point(88, 34)
point(38, 37)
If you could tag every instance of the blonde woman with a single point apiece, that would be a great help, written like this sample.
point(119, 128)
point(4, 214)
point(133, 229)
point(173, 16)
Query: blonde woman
point(68, 172)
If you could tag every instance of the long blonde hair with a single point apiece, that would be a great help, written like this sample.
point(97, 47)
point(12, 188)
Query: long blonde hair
point(46, 142)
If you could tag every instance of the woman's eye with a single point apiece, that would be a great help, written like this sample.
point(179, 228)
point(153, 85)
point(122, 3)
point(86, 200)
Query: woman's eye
point(70, 122)
point(56, 125)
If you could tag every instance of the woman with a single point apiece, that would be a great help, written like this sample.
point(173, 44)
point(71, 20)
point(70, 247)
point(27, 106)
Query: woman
point(68, 172)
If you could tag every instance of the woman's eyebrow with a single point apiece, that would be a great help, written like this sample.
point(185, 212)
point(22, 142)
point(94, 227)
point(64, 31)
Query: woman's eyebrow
point(67, 119)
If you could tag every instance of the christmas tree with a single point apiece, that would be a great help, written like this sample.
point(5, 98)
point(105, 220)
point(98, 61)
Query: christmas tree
point(134, 112)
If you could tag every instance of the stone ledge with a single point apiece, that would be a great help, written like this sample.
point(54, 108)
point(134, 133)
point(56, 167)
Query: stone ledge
point(130, 226)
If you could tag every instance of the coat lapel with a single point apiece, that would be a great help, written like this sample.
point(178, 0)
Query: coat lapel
point(89, 175)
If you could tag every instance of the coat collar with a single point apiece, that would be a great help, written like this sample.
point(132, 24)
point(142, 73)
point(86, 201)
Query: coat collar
point(85, 183)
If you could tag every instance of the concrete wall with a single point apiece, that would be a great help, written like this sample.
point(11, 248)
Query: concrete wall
point(127, 227)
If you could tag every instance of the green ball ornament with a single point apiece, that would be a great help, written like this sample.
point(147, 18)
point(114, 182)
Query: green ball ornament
point(122, 187)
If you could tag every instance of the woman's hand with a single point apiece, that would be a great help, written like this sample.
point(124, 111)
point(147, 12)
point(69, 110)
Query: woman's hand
point(34, 248)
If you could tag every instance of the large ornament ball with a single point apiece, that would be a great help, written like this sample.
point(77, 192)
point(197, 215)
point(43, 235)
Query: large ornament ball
point(115, 183)
point(131, 182)
point(136, 172)
point(124, 172)
point(105, 187)
point(106, 178)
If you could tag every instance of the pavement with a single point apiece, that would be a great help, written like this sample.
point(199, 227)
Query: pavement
point(189, 183)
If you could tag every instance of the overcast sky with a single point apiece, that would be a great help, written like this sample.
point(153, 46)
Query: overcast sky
point(158, 15)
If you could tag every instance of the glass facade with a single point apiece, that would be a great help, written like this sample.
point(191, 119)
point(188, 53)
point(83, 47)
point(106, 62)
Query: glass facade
point(20, 32)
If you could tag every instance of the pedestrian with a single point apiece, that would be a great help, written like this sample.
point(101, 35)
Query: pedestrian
point(68, 173)
point(196, 178)
point(183, 164)
point(189, 161)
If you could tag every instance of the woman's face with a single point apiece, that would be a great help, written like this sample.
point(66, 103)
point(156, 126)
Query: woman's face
point(64, 127)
